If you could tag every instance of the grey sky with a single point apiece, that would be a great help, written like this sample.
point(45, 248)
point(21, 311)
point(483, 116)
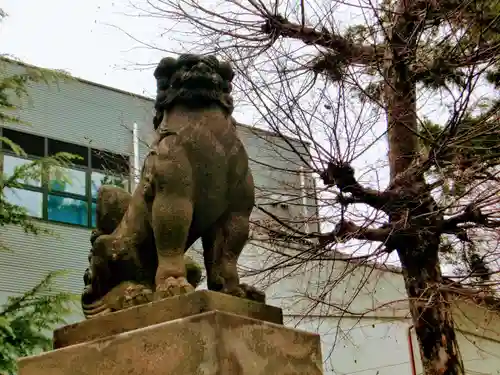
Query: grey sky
point(82, 38)
point(70, 35)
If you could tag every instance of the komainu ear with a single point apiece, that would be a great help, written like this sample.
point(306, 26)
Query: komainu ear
point(227, 87)
point(212, 61)
point(163, 83)
point(157, 119)
point(187, 59)
point(165, 68)
point(226, 71)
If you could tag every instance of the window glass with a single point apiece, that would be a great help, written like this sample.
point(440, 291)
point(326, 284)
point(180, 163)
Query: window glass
point(58, 146)
point(31, 144)
point(93, 224)
point(32, 201)
point(68, 181)
point(107, 161)
point(99, 179)
point(9, 165)
point(67, 210)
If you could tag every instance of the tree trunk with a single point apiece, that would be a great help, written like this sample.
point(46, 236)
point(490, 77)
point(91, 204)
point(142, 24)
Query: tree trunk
point(430, 309)
point(416, 212)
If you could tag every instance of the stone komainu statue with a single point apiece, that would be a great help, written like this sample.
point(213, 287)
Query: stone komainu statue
point(195, 183)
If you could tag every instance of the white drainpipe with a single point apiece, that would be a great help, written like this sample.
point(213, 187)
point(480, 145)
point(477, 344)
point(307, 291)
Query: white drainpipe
point(303, 193)
point(135, 140)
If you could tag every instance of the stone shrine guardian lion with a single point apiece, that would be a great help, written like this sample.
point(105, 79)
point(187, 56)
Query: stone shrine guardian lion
point(195, 183)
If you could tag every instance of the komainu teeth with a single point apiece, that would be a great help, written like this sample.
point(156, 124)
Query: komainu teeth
point(93, 305)
point(97, 308)
point(104, 312)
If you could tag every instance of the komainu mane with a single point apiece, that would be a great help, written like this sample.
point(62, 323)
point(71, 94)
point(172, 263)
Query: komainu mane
point(195, 183)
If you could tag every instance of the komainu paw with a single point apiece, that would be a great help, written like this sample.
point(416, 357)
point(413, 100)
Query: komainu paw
point(248, 292)
point(135, 295)
point(253, 293)
point(122, 296)
point(172, 286)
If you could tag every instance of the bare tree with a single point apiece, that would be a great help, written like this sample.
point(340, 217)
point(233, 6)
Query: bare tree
point(411, 84)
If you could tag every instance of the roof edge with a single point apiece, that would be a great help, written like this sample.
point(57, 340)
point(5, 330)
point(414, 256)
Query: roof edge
point(458, 289)
point(272, 134)
point(82, 80)
point(128, 93)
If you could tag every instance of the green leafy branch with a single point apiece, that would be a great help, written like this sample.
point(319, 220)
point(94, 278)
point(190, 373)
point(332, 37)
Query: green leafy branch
point(25, 320)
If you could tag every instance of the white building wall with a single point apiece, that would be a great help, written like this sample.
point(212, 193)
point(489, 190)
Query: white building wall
point(366, 330)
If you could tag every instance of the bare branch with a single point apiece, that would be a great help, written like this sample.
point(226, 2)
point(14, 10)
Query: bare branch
point(471, 214)
point(279, 26)
point(347, 230)
point(342, 176)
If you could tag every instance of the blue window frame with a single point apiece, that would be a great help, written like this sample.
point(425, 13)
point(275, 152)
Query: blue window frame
point(68, 195)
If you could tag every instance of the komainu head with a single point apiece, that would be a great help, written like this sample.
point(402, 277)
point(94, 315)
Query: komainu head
point(195, 81)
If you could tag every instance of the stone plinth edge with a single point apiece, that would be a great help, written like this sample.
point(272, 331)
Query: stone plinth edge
point(163, 311)
point(211, 343)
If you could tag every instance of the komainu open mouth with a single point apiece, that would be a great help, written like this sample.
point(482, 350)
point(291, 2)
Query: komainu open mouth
point(125, 295)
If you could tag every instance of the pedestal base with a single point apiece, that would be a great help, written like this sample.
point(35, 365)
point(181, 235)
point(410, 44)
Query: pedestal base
point(208, 343)
point(163, 311)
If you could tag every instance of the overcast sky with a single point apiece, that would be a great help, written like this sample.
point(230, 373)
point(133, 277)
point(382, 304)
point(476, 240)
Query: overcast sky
point(73, 36)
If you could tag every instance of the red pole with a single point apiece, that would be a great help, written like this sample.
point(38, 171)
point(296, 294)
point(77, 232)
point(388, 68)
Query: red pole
point(412, 356)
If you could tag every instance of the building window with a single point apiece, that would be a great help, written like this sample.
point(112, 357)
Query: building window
point(68, 180)
point(32, 201)
point(98, 178)
point(67, 210)
point(10, 163)
point(66, 195)
point(30, 196)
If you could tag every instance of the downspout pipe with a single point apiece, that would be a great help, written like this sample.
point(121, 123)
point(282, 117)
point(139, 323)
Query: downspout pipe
point(135, 141)
point(303, 193)
point(412, 352)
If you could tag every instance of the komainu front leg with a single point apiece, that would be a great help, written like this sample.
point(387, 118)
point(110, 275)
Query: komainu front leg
point(171, 221)
point(222, 247)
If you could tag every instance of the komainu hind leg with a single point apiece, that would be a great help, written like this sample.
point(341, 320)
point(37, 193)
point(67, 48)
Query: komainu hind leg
point(222, 246)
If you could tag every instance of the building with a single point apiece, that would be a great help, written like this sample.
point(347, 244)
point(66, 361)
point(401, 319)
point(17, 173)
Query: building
point(365, 323)
point(97, 123)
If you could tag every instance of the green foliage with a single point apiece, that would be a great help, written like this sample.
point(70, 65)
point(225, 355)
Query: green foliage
point(470, 143)
point(13, 87)
point(26, 321)
point(469, 148)
point(11, 214)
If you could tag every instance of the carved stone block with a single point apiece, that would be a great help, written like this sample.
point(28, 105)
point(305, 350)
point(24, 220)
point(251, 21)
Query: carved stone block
point(163, 311)
point(207, 343)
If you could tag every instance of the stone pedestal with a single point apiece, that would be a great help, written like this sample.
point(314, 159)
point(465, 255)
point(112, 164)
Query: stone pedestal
point(201, 333)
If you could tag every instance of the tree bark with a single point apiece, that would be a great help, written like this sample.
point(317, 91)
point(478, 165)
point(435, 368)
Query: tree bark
point(416, 212)
point(430, 309)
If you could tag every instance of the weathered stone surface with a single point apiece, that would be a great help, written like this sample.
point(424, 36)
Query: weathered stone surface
point(212, 343)
point(163, 311)
point(195, 183)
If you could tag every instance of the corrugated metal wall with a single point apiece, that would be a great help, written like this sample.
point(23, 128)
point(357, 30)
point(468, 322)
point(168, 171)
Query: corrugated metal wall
point(82, 113)
point(76, 112)
point(32, 257)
